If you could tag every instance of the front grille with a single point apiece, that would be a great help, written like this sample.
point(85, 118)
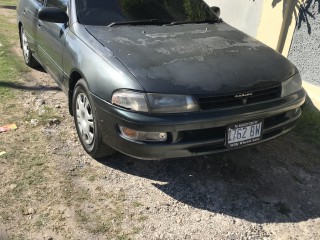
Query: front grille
point(258, 95)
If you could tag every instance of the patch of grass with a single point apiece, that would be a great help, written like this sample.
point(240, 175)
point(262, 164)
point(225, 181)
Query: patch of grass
point(136, 230)
point(309, 127)
point(95, 220)
point(6, 72)
point(43, 115)
point(41, 220)
point(20, 237)
point(72, 194)
point(120, 196)
point(92, 178)
point(101, 227)
point(98, 223)
point(8, 2)
point(81, 216)
point(142, 218)
point(4, 216)
point(29, 168)
point(11, 66)
point(123, 237)
point(32, 178)
point(137, 204)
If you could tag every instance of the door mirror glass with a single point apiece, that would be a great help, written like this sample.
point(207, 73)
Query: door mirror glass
point(53, 14)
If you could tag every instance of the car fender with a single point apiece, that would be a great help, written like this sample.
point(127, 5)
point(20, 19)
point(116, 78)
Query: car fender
point(102, 71)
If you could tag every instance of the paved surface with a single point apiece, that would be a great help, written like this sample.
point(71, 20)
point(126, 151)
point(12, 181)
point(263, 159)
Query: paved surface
point(305, 48)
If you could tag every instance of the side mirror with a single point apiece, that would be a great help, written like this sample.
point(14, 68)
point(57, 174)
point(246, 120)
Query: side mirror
point(216, 10)
point(52, 14)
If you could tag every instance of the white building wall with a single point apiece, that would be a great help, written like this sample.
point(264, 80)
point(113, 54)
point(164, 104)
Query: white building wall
point(242, 14)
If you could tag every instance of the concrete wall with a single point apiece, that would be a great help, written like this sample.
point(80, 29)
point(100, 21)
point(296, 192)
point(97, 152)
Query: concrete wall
point(305, 47)
point(262, 19)
point(273, 30)
point(242, 14)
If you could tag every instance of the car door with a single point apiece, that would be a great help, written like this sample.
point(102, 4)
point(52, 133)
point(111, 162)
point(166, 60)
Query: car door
point(28, 15)
point(51, 39)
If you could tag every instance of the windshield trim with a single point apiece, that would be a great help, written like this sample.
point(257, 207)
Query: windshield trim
point(163, 22)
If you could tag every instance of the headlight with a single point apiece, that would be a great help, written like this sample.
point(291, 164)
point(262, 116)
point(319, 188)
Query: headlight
point(167, 103)
point(134, 101)
point(158, 103)
point(291, 85)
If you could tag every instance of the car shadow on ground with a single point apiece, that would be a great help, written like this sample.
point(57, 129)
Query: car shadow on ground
point(309, 106)
point(39, 68)
point(28, 88)
point(263, 184)
point(9, 7)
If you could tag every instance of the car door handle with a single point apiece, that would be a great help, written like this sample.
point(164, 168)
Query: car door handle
point(40, 25)
point(24, 11)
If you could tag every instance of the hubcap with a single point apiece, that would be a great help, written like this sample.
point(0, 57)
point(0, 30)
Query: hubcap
point(25, 46)
point(85, 118)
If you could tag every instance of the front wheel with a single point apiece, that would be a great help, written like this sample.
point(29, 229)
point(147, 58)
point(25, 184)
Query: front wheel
point(27, 54)
point(86, 122)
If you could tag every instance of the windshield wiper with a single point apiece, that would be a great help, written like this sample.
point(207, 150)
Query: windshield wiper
point(207, 20)
point(141, 22)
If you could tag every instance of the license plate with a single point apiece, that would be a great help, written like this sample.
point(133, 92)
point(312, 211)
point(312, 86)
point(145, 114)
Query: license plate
point(244, 133)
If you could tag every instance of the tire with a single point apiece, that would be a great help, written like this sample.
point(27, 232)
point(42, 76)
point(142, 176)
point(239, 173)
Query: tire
point(86, 121)
point(26, 51)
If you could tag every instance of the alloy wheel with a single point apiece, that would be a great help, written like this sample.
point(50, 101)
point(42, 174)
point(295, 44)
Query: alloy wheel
point(25, 46)
point(85, 118)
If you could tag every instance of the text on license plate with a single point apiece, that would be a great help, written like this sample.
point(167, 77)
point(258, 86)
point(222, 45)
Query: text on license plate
point(244, 133)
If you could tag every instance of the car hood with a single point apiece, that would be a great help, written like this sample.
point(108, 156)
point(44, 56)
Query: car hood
point(194, 58)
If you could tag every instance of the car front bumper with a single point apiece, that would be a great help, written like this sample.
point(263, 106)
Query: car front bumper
point(197, 133)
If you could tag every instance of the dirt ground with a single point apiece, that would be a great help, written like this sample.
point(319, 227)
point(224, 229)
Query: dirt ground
point(51, 189)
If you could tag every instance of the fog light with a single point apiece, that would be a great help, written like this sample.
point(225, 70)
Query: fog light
point(143, 136)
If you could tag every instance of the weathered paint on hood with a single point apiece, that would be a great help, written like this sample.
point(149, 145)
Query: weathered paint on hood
point(194, 58)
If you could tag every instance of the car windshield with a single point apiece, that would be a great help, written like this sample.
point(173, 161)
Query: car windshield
point(106, 12)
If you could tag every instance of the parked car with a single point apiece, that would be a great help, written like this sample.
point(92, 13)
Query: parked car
point(158, 79)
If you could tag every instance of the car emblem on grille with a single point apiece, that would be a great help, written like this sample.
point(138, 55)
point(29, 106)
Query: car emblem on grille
point(243, 95)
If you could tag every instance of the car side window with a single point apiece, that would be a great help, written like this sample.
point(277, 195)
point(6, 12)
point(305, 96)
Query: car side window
point(62, 4)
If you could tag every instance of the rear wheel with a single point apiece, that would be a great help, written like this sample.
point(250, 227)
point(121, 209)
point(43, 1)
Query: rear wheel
point(27, 54)
point(86, 122)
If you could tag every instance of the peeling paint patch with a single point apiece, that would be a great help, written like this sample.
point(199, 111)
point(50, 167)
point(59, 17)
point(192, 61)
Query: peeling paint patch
point(163, 50)
point(204, 45)
point(224, 28)
point(251, 43)
point(124, 40)
point(195, 58)
point(172, 35)
point(179, 46)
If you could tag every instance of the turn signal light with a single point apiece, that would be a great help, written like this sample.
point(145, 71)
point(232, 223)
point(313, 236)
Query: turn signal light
point(140, 136)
